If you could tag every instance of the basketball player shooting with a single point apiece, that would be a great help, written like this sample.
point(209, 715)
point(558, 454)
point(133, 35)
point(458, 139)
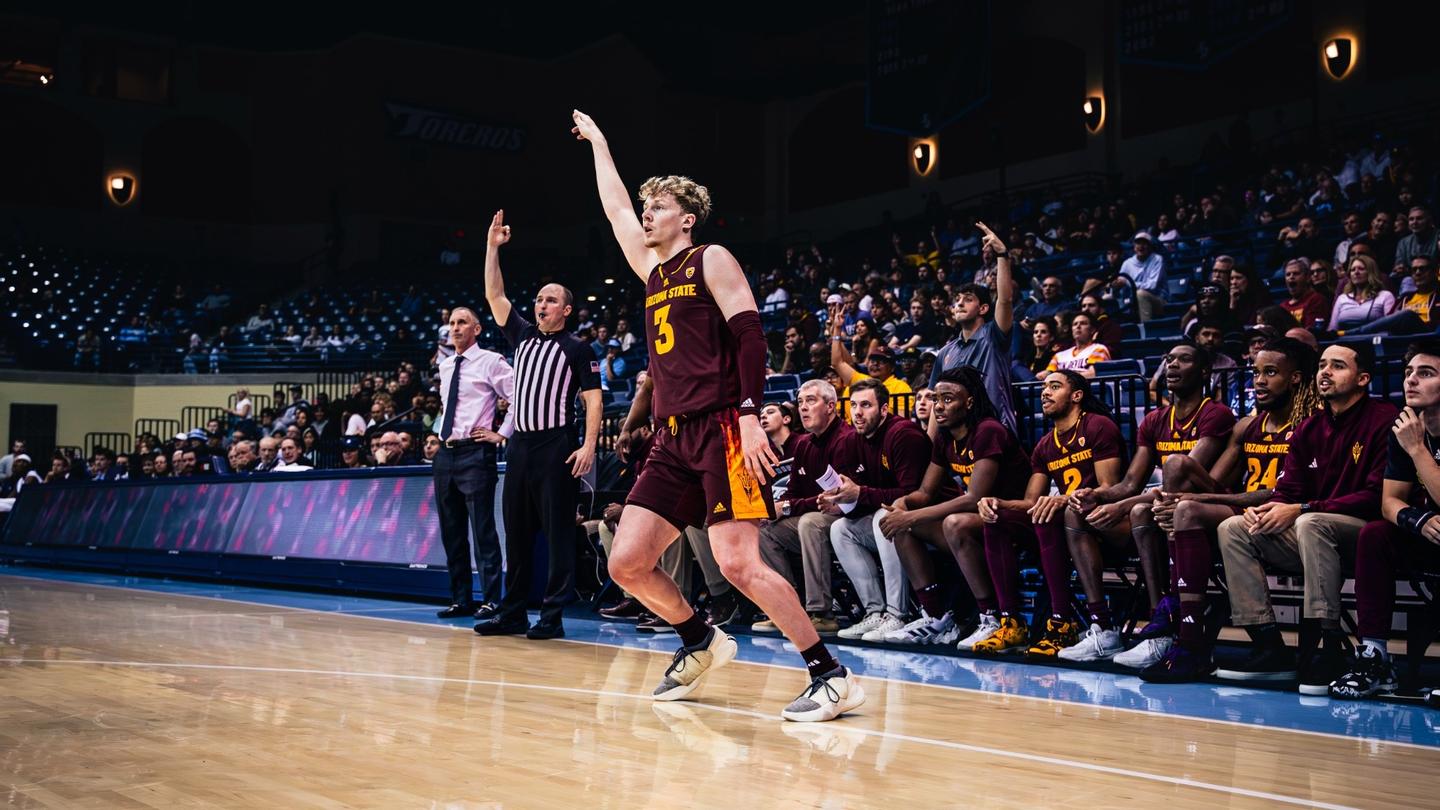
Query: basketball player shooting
point(711, 462)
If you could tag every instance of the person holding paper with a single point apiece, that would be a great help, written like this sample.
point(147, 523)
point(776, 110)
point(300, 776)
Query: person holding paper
point(828, 449)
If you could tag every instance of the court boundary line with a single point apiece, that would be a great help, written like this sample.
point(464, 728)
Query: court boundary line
point(1178, 781)
point(876, 678)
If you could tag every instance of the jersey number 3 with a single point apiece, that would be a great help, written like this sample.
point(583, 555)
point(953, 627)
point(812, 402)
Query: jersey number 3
point(665, 333)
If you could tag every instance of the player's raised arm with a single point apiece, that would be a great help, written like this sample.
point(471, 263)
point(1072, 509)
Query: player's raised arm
point(498, 235)
point(615, 198)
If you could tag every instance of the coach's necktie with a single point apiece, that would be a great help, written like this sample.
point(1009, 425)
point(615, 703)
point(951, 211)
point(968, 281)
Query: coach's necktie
point(452, 402)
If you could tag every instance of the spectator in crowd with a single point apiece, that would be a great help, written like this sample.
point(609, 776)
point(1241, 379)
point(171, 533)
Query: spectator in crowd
point(780, 423)
point(1353, 227)
point(390, 453)
point(351, 454)
point(60, 470)
point(269, 451)
point(1302, 240)
point(1308, 307)
point(601, 344)
point(1084, 352)
point(431, 448)
point(1363, 299)
point(1107, 330)
point(310, 446)
point(1381, 240)
point(1329, 489)
point(1247, 295)
point(984, 342)
point(242, 458)
point(162, 466)
point(261, 322)
point(291, 459)
point(1040, 350)
point(17, 447)
point(1322, 278)
point(1417, 312)
point(217, 300)
point(612, 367)
point(880, 363)
point(102, 466)
point(87, 349)
point(1146, 272)
point(1419, 242)
point(924, 405)
point(20, 477)
point(1212, 303)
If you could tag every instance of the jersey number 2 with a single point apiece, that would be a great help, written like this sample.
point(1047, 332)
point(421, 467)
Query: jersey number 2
point(1071, 478)
point(666, 333)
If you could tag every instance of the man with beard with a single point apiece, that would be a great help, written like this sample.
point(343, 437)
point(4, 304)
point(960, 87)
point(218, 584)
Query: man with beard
point(1329, 488)
point(1192, 503)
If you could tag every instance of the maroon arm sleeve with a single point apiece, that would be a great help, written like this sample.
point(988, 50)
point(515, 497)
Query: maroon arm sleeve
point(750, 356)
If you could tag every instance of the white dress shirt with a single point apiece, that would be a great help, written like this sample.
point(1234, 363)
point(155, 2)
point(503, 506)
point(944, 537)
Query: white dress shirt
point(485, 377)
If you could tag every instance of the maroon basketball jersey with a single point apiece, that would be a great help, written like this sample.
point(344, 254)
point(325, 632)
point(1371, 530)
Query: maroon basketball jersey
point(692, 352)
point(1265, 452)
point(1162, 434)
point(992, 440)
point(1069, 458)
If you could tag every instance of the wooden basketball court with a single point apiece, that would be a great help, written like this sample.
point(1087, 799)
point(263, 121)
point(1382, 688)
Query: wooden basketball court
point(115, 697)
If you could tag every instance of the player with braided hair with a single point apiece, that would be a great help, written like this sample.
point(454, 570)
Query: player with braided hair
point(1192, 502)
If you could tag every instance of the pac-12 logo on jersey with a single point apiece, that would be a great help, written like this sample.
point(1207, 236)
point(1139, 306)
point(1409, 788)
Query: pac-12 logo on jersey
point(594, 366)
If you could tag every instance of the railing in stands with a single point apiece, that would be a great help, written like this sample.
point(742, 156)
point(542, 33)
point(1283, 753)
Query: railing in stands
point(259, 402)
point(119, 442)
point(195, 416)
point(162, 429)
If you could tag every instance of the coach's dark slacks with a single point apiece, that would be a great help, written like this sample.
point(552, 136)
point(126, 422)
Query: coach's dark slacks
point(539, 497)
point(465, 497)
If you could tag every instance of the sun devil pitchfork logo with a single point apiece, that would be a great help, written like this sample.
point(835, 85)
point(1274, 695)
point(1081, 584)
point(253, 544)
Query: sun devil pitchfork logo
point(1355, 452)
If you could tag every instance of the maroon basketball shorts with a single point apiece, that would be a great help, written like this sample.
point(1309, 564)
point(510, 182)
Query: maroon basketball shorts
point(695, 475)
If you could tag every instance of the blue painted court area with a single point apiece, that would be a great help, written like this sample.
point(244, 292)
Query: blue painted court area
point(1366, 720)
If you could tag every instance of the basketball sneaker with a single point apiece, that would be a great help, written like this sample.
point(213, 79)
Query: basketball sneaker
point(1009, 635)
point(764, 626)
point(693, 663)
point(1162, 620)
point(1370, 675)
point(1179, 664)
point(1059, 634)
point(926, 630)
point(1264, 663)
point(826, 698)
point(1098, 644)
point(989, 623)
point(881, 631)
point(824, 625)
point(865, 625)
point(1146, 653)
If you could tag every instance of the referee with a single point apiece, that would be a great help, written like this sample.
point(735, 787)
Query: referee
point(542, 462)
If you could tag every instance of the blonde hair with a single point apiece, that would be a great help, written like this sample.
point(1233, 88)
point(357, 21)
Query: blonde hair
point(1374, 283)
point(692, 197)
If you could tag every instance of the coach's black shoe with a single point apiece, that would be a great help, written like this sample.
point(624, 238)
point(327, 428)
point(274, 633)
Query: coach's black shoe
point(456, 611)
point(502, 627)
point(723, 609)
point(1266, 663)
point(487, 610)
point(1333, 662)
point(627, 608)
point(541, 631)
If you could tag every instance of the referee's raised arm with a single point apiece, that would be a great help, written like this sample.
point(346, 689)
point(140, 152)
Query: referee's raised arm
point(495, 283)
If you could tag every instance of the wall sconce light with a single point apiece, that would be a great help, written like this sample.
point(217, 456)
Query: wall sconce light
point(121, 188)
point(1094, 109)
point(1339, 56)
point(923, 156)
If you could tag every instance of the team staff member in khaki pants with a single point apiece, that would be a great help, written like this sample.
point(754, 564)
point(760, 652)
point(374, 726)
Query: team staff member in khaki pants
point(802, 528)
point(1329, 489)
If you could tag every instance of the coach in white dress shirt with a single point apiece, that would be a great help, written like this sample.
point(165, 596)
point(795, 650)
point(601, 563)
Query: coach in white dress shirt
point(472, 382)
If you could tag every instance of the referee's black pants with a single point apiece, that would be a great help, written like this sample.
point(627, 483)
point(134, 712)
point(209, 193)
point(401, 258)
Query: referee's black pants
point(465, 498)
point(539, 497)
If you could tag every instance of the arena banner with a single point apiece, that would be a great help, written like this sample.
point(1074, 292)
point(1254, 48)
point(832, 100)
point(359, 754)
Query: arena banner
point(1193, 34)
point(441, 128)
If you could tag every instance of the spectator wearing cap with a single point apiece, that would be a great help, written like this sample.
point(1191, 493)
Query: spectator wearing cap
point(879, 364)
point(613, 366)
point(1146, 271)
point(351, 457)
point(20, 477)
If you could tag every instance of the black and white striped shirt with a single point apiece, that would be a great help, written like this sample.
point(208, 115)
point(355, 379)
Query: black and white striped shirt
point(550, 371)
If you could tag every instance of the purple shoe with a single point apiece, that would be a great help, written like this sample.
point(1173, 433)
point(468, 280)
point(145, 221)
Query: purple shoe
point(1163, 620)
